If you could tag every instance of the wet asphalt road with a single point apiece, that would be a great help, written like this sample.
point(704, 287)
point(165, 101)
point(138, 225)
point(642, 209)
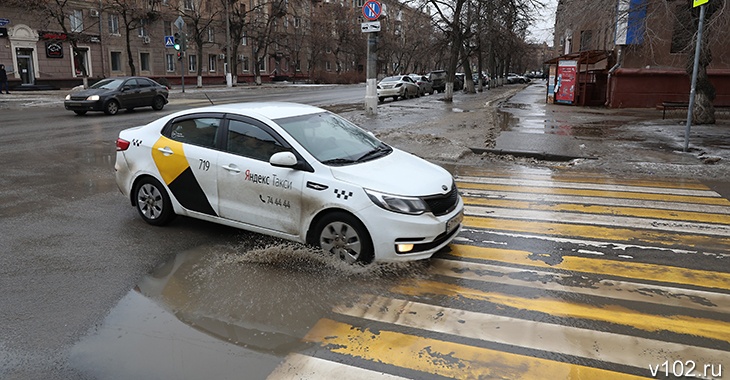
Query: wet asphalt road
point(554, 276)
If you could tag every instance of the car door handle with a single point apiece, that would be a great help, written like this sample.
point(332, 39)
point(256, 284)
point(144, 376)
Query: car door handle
point(166, 151)
point(232, 169)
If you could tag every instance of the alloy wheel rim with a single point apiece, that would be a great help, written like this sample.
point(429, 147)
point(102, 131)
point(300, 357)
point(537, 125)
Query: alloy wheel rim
point(149, 201)
point(341, 240)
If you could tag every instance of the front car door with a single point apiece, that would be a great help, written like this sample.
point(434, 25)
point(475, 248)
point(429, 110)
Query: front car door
point(250, 189)
point(129, 94)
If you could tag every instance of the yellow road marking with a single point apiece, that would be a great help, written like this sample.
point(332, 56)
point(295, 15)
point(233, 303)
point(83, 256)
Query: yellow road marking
point(597, 193)
point(634, 236)
point(639, 271)
point(680, 324)
point(609, 210)
point(453, 360)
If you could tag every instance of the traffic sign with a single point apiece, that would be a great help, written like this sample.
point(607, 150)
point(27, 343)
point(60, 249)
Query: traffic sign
point(371, 10)
point(4, 21)
point(697, 3)
point(180, 23)
point(169, 41)
point(369, 27)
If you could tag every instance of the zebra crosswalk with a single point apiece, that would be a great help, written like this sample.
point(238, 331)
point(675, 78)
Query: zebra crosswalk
point(552, 277)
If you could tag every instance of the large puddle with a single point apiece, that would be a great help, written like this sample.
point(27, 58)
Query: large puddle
point(225, 312)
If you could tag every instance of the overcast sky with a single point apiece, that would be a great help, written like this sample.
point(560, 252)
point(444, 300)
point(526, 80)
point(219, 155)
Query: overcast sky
point(542, 30)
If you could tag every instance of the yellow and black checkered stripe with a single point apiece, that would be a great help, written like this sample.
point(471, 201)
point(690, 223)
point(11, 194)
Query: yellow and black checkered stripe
point(179, 177)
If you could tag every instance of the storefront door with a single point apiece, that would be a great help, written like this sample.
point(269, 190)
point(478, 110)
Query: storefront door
point(25, 66)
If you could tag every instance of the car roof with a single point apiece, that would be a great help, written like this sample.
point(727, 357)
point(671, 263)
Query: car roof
point(270, 110)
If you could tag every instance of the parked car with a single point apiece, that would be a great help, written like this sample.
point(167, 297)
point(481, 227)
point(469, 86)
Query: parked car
point(424, 85)
point(484, 77)
point(438, 80)
point(292, 171)
point(399, 86)
point(112, 94)
point(513, 78)
point(459, 81)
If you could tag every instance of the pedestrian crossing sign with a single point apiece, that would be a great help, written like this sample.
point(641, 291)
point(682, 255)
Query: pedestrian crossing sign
point(169, 41)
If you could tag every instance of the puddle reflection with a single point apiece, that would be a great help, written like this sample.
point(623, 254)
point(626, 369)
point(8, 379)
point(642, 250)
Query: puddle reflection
point(212, 304)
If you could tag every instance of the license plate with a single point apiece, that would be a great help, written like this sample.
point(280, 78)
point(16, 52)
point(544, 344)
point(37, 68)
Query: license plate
point(454, 222)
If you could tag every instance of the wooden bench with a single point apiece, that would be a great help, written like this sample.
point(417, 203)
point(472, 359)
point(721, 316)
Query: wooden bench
point(683, 105)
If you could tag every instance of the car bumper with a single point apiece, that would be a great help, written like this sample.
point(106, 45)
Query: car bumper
point(123, 174)
point(83, 105)
point(385, 92)
point(427, 233)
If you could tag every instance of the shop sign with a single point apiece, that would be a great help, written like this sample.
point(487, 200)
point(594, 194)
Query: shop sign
point(54, 49)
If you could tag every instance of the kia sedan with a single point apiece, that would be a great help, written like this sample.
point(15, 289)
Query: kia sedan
point(112, 94)
point(292, 171)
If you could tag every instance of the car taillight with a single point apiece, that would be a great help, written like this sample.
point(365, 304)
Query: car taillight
point(122, 145)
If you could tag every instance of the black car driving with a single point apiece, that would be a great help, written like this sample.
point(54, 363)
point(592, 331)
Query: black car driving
point(112, 94)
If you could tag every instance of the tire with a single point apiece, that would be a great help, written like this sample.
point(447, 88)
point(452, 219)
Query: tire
point(395, 98)
point(344, 236)
point(158, 103)
point(111, 107)
point(152, 202)
point(80, 113)
point(381, 99)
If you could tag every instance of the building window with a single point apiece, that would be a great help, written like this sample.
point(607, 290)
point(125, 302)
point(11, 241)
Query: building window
point(212, 61)
point(81, 62)
point(168, 27)
point(144, 61)
point(142, 31)
point(114, 24)
point(298, 65)
point(262, 65)
point(211, 34)
point(359, 3)
point(245, 65)
point(170, 62)
point(188, 5)
point(244, 40)
point(192, 63)
point(328, 66)
point(116, 61)
point(297, 22)
point(586, 40)
point(77, 21)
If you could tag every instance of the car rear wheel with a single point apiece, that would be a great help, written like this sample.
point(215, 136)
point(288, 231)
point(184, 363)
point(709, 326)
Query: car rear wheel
point(152, 202)
point(158, 103)
point(80, 113)
point(112, 107)
point(344, 236)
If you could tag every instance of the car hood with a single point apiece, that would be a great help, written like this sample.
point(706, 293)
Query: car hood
point(398, 173)
point(91, 91)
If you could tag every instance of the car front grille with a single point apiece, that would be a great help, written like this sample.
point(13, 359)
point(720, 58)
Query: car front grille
point(443, 204)
point(78, 97)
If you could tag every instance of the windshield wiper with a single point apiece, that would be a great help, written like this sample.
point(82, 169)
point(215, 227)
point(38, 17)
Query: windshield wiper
point(339, 161)
point(380, 150)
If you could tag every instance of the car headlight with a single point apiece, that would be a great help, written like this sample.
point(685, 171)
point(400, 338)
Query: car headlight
point(68, 97)
point(399, 204)
point(93, 97)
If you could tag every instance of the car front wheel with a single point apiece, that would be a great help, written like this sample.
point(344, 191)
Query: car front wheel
point(152, 202)
point(112, 107)
point(344, 236)
point(80, 113)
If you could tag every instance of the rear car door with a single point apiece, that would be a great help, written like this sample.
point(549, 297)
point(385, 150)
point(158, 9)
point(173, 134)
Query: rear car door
point(250, 189)
point(146, 92)
point(186, 157)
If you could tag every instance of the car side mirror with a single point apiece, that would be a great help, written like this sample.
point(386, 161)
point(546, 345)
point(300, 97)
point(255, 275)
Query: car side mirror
point(283, 159)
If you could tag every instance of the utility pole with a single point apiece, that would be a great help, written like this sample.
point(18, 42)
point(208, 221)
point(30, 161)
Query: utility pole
point(693, 89)
point(229, 79)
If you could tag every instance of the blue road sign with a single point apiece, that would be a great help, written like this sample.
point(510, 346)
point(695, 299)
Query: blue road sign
point(371, 10)
point(169, 41)
point(4, 21)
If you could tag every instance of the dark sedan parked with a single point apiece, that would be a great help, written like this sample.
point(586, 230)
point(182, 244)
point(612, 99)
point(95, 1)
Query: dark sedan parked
point(112, 94)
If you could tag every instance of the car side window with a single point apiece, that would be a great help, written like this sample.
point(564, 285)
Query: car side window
point(132, 84)
point(248, 140)
point(144, 83)
point(198, 131)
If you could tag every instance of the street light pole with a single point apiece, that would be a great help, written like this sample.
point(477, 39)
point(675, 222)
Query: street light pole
point(229, 79)
point(693, 89)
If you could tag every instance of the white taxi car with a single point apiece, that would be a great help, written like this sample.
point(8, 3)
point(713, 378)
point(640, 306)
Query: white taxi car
point(293, 171)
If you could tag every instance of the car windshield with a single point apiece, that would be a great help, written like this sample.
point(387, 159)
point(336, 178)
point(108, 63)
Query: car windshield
point(332, 140)
point(108, 84)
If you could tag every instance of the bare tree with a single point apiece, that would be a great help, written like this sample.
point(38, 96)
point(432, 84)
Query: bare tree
point(135, 15)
